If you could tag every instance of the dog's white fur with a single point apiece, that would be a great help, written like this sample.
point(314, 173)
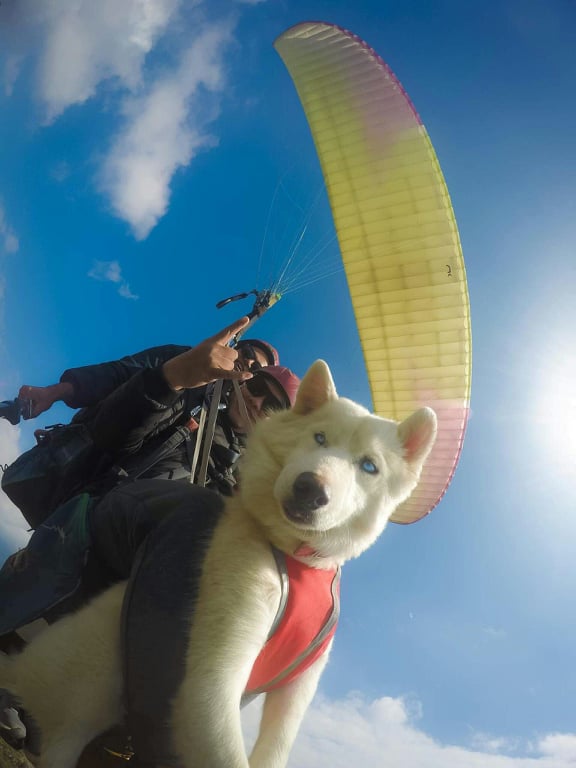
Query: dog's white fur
point(69, 677)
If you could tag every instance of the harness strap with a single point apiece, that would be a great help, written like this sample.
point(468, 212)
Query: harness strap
point(199, 434)
point(210, 427)
point(206, 428)
point(181, 434)
point(280, 559)
point(242, 404)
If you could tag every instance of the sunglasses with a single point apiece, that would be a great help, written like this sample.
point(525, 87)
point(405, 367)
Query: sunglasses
point(249, 355)
point(257, 386)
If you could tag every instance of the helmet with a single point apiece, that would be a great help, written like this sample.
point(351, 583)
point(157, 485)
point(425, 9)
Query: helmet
point(271, 354)
point(287, 380)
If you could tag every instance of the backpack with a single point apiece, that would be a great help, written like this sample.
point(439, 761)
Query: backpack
point(65, 462)
point(51, 472)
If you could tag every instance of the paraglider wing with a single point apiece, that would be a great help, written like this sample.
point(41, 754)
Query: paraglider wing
point(397, 235)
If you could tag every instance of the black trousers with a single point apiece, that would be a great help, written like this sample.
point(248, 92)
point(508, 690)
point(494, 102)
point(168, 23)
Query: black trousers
point(154, 532)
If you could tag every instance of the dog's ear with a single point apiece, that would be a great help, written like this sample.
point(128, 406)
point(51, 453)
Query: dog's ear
point(316, 388)
point(417, 434)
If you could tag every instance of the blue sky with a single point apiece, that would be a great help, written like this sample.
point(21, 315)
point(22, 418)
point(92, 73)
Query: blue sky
point(144, 147)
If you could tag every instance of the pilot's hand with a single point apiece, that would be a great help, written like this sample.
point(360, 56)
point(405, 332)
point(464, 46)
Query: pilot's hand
point(210, 360)
point(37, 400)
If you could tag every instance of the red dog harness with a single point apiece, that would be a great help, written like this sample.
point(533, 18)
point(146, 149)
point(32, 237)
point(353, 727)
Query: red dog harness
point(303, 627)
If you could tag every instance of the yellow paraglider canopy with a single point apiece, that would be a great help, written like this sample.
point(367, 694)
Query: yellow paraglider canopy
point(398, 238)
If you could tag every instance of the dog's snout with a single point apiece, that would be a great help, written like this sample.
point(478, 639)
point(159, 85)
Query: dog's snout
point(309, 492)
point(307, 495)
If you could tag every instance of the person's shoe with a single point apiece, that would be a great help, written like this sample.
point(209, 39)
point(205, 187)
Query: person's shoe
point(12, 737)
point(12, 729)
point(16, 729)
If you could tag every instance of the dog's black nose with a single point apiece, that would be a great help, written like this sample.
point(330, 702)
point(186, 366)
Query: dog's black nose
point(309, 493)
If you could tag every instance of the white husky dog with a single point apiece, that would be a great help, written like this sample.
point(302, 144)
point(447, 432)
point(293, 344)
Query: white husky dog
point(318, 483)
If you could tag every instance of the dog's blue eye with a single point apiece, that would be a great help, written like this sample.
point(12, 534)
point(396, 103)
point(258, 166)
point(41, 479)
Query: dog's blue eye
point(368, 466)
point(320, 438)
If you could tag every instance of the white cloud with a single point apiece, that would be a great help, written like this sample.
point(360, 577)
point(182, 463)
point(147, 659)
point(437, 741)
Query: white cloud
point(559, 745)
point(8, 239)
point(164, 129)
point(111, 272)
point(106, 270)
point(125, 292)
point(11, 72)
point(494, 633)
point(485, 742)
point(60, 171)
point(82, 43)
point(78, 45)
point(383, 732)
point(13, 527)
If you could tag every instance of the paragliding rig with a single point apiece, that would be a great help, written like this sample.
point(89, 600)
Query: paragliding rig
point(262, 303)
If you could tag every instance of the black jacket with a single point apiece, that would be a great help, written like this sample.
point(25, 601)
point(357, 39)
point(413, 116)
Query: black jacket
point(132, 412)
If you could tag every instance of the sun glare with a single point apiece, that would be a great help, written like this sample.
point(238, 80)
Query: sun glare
point(555, 412)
